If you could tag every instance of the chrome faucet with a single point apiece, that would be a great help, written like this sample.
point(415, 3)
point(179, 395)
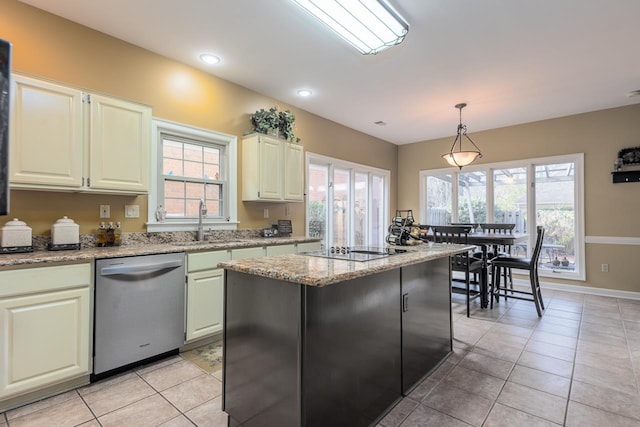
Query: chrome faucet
point(202, 212)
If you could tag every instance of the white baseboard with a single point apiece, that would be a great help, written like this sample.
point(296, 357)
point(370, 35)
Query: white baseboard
point(614, 293)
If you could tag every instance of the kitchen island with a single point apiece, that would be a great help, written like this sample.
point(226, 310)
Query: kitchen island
point(314, 341)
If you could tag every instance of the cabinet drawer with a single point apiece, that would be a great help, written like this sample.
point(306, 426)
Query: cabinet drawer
point(247, 253)
point(281, 250)
point(39, 279)
point(308, 246)
point(206, 260)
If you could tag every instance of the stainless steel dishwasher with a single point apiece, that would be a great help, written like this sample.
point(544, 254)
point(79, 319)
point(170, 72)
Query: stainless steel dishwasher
point(139, 309)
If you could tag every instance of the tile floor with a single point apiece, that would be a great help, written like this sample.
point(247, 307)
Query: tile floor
point(579, 365)
point(174, 392)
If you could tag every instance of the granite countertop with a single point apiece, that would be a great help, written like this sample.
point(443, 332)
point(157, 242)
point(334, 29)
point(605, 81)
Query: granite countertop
point(92, 253)
point(318, 271)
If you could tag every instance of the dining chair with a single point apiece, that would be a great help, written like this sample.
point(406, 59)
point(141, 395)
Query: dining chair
point(520, 263)
point(464, 262)
point(504, 250)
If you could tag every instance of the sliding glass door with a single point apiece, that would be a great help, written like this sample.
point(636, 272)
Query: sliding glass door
point(348, 203)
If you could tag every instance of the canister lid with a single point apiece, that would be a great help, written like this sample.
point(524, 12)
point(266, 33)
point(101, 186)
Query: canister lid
point(65, 220)
point(15, 223)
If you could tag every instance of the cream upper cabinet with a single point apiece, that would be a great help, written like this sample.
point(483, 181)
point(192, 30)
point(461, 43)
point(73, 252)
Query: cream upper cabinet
point(45, 327)
point(65, 139)
point(272, 170)
point(46, 134)
point(120, 135)
point(293, 172)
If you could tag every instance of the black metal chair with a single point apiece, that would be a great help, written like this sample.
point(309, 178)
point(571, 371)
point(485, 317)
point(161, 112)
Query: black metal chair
point(463, 262)
point(499, 250)
point(530, 264)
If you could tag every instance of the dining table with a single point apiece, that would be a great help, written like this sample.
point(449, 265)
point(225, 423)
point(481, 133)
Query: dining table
point(484, 240)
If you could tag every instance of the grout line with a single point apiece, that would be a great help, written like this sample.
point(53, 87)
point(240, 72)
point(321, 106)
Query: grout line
point(626, 337)
point(573, 367)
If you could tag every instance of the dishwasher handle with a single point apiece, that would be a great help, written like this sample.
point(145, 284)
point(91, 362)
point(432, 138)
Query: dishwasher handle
point(140, 268)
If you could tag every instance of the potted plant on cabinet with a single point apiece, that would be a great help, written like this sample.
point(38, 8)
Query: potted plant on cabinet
point(275, 122)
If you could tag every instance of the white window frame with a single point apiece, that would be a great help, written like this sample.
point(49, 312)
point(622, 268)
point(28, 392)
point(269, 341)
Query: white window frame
point(530, 164)
point(353, 168)
point(229, 163)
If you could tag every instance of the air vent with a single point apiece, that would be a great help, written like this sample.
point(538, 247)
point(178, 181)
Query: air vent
point(633, 93)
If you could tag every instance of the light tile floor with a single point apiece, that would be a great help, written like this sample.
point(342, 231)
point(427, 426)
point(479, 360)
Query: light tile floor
point(174, 392)
point(578, 365)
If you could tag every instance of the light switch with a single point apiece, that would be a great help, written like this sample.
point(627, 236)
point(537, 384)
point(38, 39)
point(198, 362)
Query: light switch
point(131, 211)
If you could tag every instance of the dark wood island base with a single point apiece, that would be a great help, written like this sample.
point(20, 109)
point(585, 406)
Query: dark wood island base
point(341, 354)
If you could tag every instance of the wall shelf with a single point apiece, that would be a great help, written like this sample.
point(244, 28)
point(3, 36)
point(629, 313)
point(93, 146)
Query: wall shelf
point(626, 176)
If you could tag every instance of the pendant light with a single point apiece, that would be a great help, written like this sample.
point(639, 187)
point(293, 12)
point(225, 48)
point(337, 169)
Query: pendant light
point(459, 157)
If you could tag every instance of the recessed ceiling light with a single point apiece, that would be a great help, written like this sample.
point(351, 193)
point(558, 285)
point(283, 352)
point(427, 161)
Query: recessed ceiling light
point(304, 93)
point(207, 58)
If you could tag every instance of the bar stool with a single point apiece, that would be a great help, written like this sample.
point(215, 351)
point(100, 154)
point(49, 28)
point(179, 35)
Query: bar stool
point(459, 262)
point(497, 250)
point(530, 264)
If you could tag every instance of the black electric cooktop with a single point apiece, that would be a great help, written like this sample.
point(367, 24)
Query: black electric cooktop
point(357, 253)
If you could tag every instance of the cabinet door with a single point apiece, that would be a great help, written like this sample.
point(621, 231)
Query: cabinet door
point(205, 290)
point(44, 339)
point(46, 134)
point(120, 142)
point(270, 168)
point(293, 172)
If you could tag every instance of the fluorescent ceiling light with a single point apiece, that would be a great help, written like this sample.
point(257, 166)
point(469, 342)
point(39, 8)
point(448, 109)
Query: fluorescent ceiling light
point(369, 25)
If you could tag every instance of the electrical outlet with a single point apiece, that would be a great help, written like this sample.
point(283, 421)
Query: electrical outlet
point(604, 268)
point(131, 211)
point(105, 211)
point(266, 213)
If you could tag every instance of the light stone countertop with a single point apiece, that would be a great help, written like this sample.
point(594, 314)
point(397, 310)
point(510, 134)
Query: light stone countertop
point(93, 253)
point(318, 271)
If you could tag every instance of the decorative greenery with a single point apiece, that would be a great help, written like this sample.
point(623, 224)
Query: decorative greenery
point(265, 121)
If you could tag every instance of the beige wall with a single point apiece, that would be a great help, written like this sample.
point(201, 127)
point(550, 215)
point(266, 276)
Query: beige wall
point(48, 46)
point(610, 209)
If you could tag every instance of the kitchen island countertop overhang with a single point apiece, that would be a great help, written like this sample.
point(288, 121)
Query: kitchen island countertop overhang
point(317, 271)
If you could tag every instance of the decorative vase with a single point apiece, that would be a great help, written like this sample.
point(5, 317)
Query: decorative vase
point(556, 262)
point(565, 262)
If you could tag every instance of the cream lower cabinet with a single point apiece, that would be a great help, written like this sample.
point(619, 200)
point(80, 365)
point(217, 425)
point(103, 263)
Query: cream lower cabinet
point(205, 294)
point(45, 327)
point(308, 247)
point(63, 138)
point(280, 250)
point(272, 170)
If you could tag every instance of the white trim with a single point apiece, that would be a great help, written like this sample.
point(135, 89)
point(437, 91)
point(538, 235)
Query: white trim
point(590, 290)
point(612, 240)
point(231, 200)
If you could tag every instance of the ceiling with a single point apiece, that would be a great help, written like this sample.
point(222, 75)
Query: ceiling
point(512, 61)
